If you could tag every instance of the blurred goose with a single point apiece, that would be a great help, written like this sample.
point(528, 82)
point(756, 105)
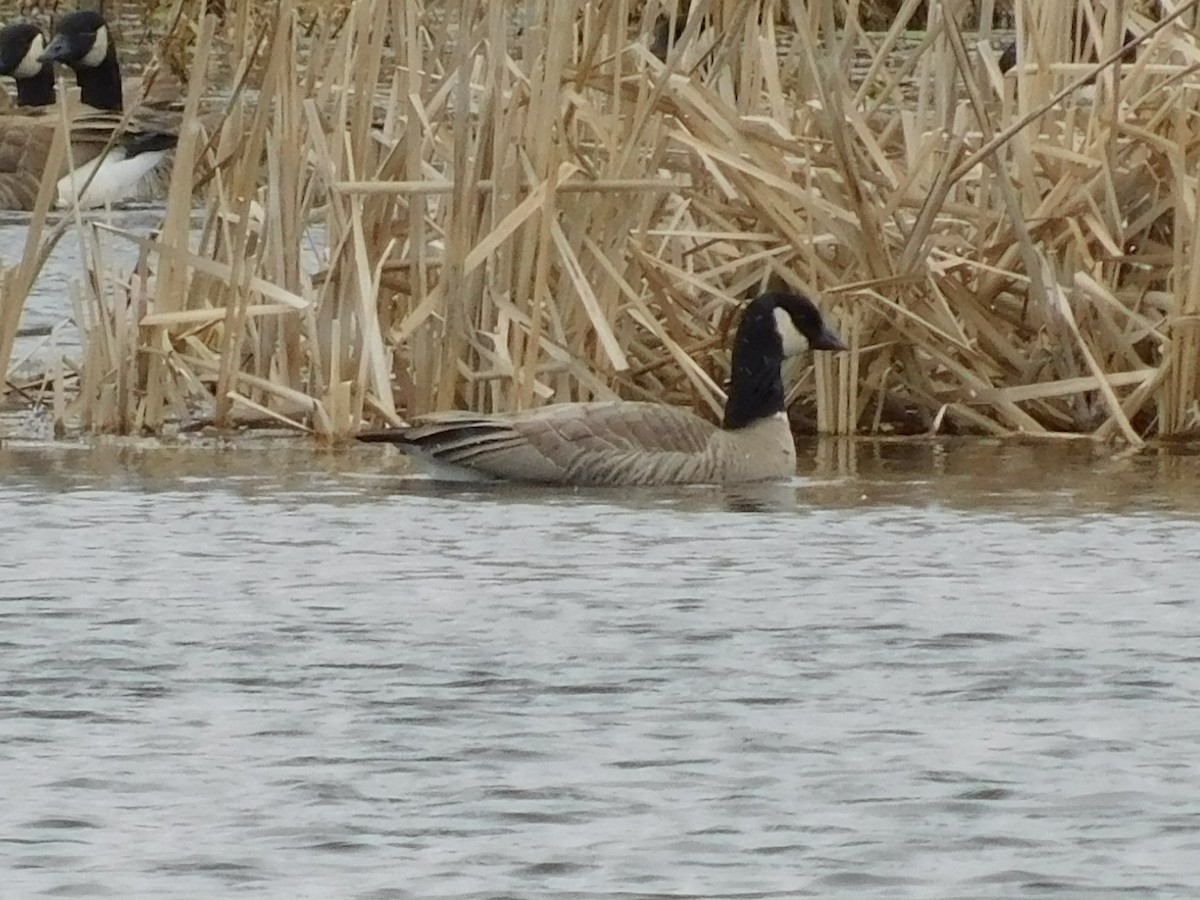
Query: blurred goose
point(83, 42)
point(25, 142)
point(134, 169)
point(26, 136)
point(1008, 59)
point(620, 443)
point(21, 46)
point(664, 36)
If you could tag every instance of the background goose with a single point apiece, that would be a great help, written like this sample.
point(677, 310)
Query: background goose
point(132, 169)
point(83, 42)
point(21, 47)
point(27, 134)
point(25, 142)
point(1008, 59)
point(619, 443)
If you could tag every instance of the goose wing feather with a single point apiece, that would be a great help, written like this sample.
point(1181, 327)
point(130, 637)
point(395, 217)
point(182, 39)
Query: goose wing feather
point(577, 443)
point(25, 142)
point(23, 152)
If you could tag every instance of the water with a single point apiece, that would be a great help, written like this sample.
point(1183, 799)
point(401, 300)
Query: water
point(919, 671)
point(47, 327)
point(49, 306)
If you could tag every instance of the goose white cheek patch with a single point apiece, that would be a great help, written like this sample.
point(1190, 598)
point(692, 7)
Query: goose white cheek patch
point(99, 50)
point(29, 65)
point(793, 341)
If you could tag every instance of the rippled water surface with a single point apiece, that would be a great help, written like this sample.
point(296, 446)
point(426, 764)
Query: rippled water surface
point(918, 671)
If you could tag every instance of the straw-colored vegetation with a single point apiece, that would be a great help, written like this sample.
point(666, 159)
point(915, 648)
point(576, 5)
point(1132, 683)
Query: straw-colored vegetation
point(511, 205)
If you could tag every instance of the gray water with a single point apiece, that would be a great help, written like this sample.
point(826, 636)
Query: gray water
point(47, 325)
point(48, 329)
point(918, 671)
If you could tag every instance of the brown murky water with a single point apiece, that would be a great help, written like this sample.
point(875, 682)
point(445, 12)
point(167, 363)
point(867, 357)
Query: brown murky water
point(923, 670)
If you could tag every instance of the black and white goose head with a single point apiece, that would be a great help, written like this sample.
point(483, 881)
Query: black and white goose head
point(800, 326)
point(21, 46)
point(775, 326)
point(82, 41)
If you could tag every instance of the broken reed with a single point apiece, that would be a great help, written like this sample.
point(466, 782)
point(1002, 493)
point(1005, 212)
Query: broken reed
point(524, 206)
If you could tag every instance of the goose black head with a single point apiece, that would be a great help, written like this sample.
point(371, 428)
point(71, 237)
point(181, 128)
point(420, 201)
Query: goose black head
point(21, 45)
point(799, 324)
point(776, 325)
point(80, 41)
point(664, 36)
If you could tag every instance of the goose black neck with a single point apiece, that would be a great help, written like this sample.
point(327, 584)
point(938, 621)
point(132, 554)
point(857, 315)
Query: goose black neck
point(37, 90)
point(100, 86)
point(755, 383)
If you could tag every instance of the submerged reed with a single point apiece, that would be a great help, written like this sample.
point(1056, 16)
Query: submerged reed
point(426, 206)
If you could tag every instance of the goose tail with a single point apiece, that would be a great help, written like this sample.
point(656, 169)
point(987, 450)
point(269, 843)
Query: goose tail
point(119, 174)
point(442, 460)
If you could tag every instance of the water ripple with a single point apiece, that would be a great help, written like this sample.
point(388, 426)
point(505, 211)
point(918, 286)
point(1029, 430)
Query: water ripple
point(322, 684)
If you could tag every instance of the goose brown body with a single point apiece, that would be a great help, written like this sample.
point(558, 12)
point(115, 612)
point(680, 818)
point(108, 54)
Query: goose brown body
point(623, 443)
point(26, 140)
point(606, 443)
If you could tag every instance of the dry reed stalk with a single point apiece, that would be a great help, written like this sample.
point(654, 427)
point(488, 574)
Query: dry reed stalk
point(16, 282)
point(510, 218)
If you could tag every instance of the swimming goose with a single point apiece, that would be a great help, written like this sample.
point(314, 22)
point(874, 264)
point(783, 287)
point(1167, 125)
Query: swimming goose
point(625, 443)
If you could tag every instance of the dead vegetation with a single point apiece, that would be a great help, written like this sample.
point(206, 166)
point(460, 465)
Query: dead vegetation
point(487, 206)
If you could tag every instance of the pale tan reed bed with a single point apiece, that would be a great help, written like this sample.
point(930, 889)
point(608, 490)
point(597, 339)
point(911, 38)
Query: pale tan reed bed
point(523, 205)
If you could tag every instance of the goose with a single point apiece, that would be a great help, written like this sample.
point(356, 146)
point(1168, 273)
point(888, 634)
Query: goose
point(664, 36)
point(626, 443)
point(25, 142)
point(83, 42)
point(21, 45)
point(1008, 59)
point(26, 136)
